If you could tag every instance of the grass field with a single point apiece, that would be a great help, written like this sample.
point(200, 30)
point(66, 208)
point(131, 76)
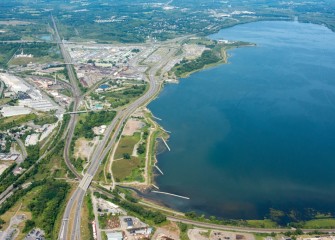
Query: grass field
point(26, 60)
point(320, 223)
point(127, 170)
point(17, 120)
point(126, 145)
point(3, 101)
point(267, 223)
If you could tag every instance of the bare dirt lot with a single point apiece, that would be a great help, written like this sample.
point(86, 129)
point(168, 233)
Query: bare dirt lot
point(169, 231)
point(132, 126)
point(83, 148)
point(202, 234)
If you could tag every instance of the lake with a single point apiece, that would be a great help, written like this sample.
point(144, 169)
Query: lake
point(258, 132)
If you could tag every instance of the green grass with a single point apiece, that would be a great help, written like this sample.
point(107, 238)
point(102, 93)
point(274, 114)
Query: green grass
point(320, 223)
point(267, 223)
point(126, 145)
point(183, 231)
point(10, 122)
point(205, 234)
point(122, 97)
point(87, 217)
point(3, 101)
point(260, 236)
point(127, 170)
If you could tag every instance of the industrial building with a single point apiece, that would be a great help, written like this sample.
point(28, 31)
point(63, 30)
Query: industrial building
point(114, 236)
point(10, 111)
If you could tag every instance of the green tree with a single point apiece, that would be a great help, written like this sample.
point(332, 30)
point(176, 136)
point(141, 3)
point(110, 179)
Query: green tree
point(29, 225)
point(141, 149)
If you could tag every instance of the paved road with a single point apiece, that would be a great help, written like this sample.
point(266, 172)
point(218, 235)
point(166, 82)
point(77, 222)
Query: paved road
point(78, 195)
point(175, 218)
point(23, 148)
point(242, 229)
point(102, 150)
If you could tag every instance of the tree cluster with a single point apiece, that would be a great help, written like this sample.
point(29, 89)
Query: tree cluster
point(206, 58)
point(46, 205)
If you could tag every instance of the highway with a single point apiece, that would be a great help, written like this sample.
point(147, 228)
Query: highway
point(22, 147)
point(76, 98)
point(70, 227)
point(73, 207)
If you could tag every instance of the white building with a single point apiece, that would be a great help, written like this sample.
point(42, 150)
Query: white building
point(23, 55)
point(114, 235)
point(14, 111)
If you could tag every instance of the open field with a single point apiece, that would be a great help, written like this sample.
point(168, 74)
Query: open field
point(320, 223)
point(127, 169)
point(83, 148)
point(126, 145)
point(10, 122)
point(267, 223)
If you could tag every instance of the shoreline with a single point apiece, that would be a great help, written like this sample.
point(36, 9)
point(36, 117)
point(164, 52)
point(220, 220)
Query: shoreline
point(224, 59)
point(142, 193)
point(152, 185)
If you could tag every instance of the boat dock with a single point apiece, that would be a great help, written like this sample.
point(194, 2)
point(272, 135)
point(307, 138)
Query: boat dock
point(171, 194)
point(159, 169)
point(167, 146)
point(157, 118)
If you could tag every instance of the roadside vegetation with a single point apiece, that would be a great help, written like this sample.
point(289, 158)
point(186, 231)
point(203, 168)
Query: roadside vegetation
point(87, 216)
point(183, 228)
point(132, 207)
point(46, 203)
point(84, 129)
point(88, 121)
point(48, 119)
point(16, 121)
point(120, 97)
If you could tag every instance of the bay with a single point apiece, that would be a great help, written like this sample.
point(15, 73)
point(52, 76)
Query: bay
point(258, 132)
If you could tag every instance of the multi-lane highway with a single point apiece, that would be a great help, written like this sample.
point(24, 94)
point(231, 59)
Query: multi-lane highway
point(70, 228)
point(71, 219)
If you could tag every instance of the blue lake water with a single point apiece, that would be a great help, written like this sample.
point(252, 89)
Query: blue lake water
point(256, 133)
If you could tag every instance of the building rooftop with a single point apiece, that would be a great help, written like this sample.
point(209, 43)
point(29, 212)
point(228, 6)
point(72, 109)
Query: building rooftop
point(14, 111)
point(114, 236)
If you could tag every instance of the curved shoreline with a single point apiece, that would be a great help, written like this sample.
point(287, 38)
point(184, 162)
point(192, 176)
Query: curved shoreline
point(208, 66)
